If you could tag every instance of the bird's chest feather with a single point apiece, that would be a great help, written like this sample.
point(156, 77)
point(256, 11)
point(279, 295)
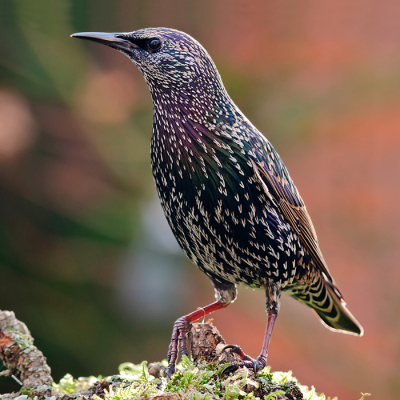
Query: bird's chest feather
point(217, 209)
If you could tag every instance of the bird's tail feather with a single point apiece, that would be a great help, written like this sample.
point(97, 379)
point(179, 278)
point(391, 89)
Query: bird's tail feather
point(336, 316)
point(326, 301)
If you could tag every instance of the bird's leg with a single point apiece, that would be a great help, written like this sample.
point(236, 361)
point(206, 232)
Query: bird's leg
point(181, 327)
point(273, 293)
point(225, 292)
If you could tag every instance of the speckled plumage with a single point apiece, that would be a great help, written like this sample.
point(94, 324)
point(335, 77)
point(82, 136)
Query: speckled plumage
point(226, 193)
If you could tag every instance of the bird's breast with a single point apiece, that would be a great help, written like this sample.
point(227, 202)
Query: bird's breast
point(218, 211)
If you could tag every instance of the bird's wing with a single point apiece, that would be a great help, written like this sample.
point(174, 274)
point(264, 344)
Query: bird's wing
point(280, 189)
point(282, 192)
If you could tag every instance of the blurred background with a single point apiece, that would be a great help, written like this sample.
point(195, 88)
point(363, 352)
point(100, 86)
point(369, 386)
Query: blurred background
point(87, 260)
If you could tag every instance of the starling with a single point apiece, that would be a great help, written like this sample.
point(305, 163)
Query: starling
point(226, 193)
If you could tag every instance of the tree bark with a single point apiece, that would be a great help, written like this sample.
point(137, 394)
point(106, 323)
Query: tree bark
point(21, 358)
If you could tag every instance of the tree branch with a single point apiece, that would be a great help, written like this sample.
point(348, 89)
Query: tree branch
point(21, 358)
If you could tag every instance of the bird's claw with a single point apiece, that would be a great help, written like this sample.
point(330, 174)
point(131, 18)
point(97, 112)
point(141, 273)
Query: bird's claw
point(237, 350)
point(247, 361)
point(255, 365)
point(181, 327)
point(229, 369)
point(170, 371)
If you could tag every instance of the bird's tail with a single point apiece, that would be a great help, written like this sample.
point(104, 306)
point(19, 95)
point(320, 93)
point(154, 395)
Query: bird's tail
point(336, 316)
point(327, 302)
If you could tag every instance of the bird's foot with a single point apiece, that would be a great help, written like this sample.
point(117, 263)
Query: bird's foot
point(247, 361)
point(181, 327)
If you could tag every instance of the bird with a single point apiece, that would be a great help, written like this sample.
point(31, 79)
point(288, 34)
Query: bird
point(226, 193)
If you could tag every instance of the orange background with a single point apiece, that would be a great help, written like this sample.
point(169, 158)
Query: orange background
point(86, 258)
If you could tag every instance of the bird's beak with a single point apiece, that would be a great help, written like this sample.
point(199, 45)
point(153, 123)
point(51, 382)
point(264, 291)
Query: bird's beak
point(114, 40)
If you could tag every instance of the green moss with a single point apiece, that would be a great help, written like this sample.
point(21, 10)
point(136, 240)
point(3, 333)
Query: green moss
point(195, 382)
point(69, 385)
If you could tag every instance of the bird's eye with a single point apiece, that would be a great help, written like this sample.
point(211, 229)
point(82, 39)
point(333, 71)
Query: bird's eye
point(154, 45)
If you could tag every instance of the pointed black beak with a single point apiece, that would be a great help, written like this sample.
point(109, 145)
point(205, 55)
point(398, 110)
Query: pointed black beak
point(115, 40)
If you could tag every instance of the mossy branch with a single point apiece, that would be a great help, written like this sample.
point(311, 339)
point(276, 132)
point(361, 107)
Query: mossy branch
point(24, 362)
point(197, 379)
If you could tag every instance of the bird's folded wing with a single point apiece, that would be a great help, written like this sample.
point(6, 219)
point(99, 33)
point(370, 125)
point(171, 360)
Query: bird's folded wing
point(282, 192)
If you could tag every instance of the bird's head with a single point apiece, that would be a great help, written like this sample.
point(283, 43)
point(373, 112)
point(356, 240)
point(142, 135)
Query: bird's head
point(170, 60)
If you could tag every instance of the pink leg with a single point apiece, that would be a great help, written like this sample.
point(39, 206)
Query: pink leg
point(247, 361)
point(262, 358)
point(181, 327)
